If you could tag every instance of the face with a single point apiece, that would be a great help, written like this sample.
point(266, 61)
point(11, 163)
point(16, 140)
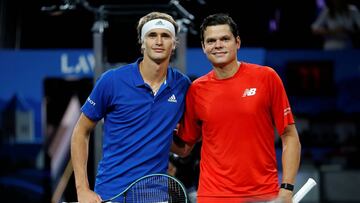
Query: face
point(220, 45)
point(158, 44)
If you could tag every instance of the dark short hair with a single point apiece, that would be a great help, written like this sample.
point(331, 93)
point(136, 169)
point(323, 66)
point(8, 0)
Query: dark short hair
point(218, 19)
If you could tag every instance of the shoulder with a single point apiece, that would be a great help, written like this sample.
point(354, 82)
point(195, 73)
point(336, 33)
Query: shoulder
point(203, 79)
point(179, 77)
point(260, 73)
point(201, 83)
point(114, 76)
point(123, 71)
point(257, 69)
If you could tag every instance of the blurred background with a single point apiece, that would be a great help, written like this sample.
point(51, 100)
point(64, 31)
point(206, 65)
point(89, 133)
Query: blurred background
point(52, 51)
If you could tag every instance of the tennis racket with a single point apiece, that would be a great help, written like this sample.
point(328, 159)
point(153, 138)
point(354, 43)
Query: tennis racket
point(154, 188)
point(310, 183)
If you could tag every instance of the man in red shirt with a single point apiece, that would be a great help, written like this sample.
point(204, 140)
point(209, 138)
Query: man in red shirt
point(234, 110)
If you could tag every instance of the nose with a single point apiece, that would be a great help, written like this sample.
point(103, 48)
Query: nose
point(218, 43)
point(158, 39)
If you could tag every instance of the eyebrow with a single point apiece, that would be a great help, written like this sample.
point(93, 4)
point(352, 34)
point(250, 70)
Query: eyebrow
point(221, 37)
point(164, 33)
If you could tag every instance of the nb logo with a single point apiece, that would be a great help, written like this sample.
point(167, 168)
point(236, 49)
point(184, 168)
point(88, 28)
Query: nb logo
point(249, 92)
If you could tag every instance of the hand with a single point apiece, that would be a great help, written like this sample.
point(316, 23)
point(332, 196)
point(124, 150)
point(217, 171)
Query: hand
point(176, 130)
point(284, 196)
point(88, 196)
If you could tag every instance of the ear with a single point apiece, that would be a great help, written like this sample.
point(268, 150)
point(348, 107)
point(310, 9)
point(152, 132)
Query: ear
point(238, 42)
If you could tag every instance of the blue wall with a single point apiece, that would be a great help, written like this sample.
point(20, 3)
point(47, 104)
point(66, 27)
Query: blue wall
point(346, 67)
point(23, 72)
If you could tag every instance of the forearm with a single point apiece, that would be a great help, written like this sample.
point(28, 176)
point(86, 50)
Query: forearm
point(290, 160)
point(290, 155)
point(79, 158)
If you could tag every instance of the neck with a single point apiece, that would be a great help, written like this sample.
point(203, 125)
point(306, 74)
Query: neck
point(153, 74)
point(227, 71)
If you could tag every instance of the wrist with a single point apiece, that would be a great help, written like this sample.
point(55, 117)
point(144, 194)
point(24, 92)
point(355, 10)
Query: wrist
point(80, 188)
point(287, 186)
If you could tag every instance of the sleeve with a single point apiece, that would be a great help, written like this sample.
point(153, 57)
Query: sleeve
point(280, 107)
point(190, 126)
point(99, 99)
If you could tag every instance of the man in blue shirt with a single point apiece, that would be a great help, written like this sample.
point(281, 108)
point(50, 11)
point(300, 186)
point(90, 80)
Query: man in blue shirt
point(141, 103)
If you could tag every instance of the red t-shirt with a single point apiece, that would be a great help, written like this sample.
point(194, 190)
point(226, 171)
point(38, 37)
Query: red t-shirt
point(236, 120)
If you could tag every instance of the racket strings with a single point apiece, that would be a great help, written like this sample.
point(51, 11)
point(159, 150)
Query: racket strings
point(156, 189)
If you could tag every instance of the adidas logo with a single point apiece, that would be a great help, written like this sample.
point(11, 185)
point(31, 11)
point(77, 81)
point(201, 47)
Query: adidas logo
point(159, 23)
point(172, 99)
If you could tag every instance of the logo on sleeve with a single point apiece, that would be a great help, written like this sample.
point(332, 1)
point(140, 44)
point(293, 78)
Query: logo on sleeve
point(91, 101)
point(287, 111)
point(249, 92)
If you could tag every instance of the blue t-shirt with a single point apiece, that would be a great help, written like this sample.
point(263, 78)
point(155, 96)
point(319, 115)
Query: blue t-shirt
point(138, 126)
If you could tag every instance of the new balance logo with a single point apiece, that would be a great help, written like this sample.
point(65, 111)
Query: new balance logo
point(249, 92)
point(172, 99)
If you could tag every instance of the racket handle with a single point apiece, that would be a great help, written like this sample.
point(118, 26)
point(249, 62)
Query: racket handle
point(310, 183)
